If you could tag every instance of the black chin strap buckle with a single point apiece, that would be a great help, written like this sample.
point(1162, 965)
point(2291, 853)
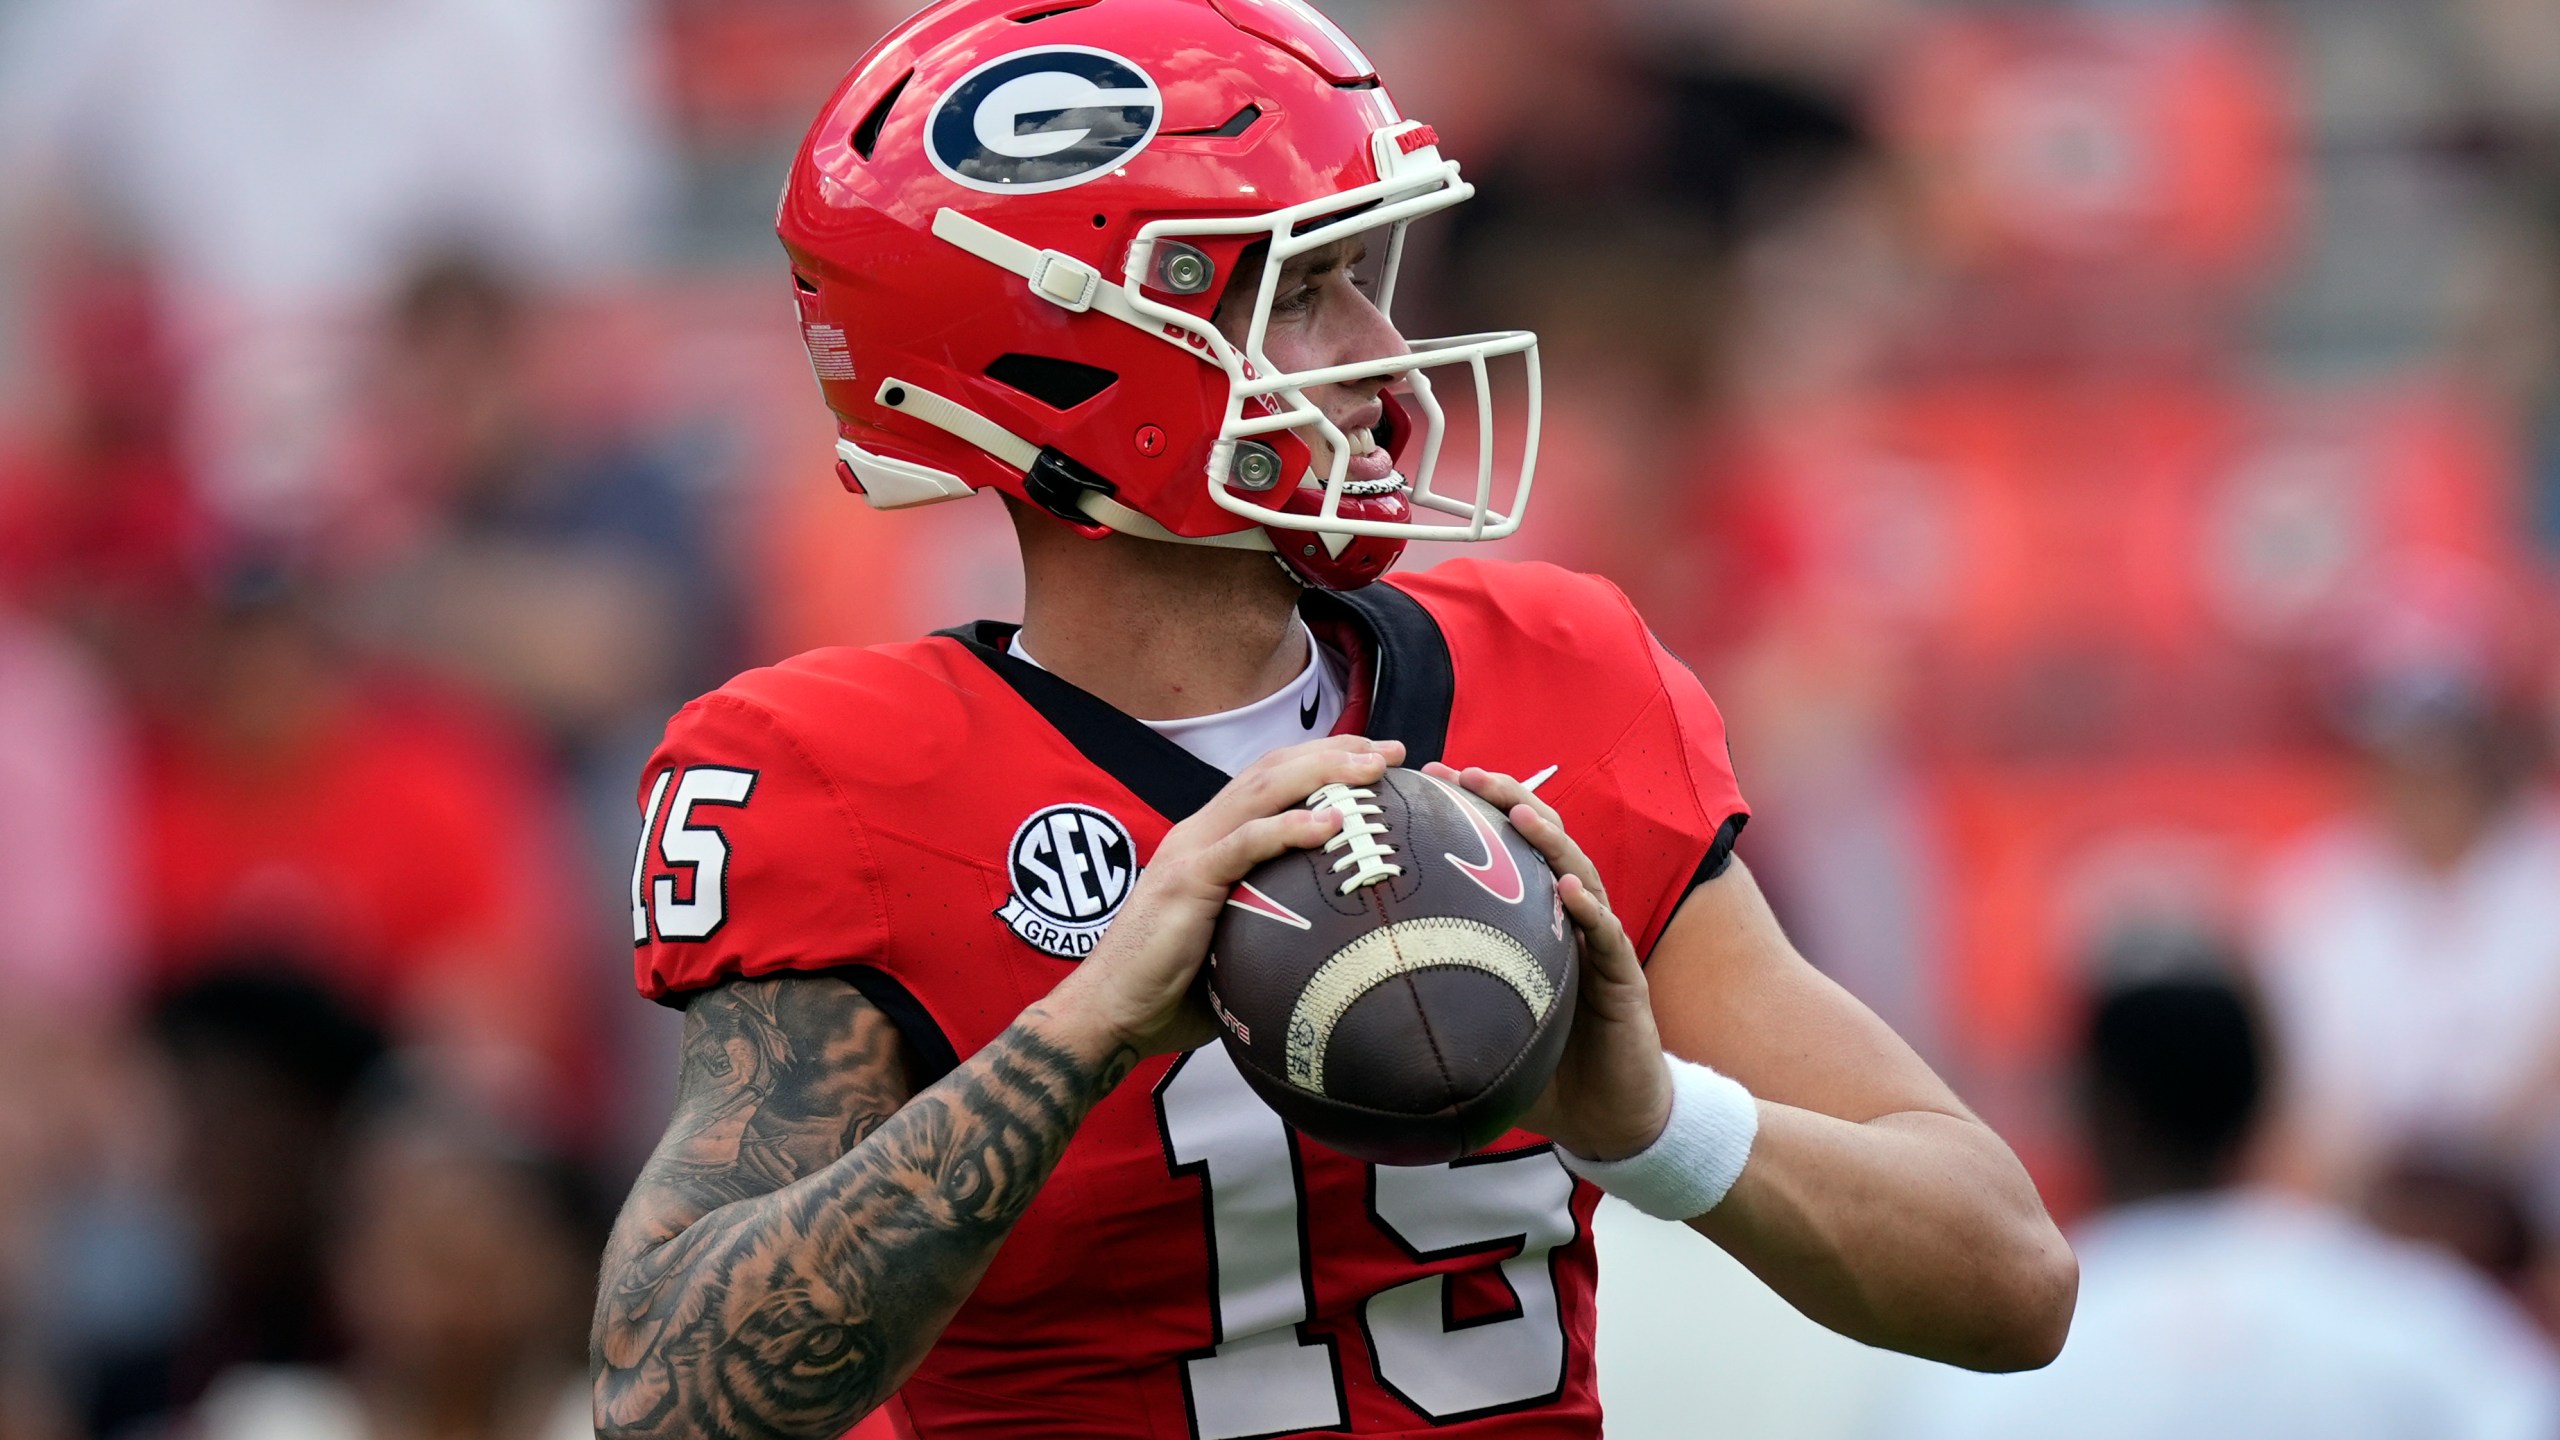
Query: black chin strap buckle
point(1058, 484)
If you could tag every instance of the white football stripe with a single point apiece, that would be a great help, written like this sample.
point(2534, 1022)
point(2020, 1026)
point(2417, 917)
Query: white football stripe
point(1268, 908)
point(1400, 949)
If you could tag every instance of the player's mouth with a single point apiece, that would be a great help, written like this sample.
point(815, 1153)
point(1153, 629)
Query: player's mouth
point(1373, 456)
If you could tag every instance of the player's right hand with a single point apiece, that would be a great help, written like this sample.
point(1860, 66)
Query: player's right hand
point(1137, 983)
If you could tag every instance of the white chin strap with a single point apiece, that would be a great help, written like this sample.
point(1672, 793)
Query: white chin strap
point(898, 484)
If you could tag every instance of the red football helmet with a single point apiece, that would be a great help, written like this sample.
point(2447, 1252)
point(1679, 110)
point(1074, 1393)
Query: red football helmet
point(1012, 226)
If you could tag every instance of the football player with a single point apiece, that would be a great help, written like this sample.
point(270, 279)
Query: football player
point(951, 1138)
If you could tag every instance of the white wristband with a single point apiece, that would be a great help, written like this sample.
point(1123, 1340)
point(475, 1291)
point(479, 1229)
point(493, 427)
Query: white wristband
point(1689, 1168)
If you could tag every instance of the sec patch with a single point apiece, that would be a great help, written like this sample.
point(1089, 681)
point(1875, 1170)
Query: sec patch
point(1073, 867)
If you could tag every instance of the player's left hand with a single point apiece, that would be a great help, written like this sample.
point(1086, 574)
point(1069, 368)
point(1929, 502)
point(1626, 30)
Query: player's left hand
point(1612, 1091)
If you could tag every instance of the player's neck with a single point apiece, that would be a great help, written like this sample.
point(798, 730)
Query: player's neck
point(1162, 632)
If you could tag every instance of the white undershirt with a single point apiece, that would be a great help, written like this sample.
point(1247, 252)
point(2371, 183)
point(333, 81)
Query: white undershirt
point(1304, 709)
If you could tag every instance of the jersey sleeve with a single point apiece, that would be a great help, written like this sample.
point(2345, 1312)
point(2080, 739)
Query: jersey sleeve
point(1707, 756)
point(1662, 812)
point(1676, 809)
point(1557, 668)
point(750, 864)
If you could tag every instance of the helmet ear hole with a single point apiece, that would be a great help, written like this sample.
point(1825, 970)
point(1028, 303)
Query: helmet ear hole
point(1058, 384)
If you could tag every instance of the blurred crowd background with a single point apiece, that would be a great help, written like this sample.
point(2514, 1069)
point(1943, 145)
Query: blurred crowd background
point(2105, 459)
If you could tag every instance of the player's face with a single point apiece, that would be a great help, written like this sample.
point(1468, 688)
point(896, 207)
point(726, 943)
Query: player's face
point(1325, 313)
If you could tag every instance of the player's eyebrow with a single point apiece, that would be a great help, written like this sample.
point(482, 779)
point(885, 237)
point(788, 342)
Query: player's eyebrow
point(1317, 264)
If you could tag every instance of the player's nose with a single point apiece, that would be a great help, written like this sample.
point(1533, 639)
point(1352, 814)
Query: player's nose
point(1361, 331)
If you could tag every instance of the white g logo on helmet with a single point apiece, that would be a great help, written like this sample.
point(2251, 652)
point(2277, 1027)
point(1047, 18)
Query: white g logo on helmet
point(1042, 120)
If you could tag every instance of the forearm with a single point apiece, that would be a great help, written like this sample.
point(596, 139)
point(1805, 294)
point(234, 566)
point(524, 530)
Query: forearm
point(1917, 1232)
point(792, 1314)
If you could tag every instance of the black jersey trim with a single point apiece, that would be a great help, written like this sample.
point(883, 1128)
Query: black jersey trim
point(1170, 780)
point(929, 1053)
point(1719, 854)
point(1417, 685)
point(1719, 859)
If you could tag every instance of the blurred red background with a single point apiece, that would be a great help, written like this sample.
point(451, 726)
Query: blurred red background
point(2098, 456)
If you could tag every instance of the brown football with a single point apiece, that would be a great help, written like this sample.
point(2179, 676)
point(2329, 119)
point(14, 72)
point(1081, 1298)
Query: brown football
point(1403, 994)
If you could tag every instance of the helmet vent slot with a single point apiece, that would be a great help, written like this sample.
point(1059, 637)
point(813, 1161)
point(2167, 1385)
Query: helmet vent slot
point(1058, 384)
point(1049, 12)
point(866, 136)
point(1336, 218)
point(1236, 125)
point(807, 285)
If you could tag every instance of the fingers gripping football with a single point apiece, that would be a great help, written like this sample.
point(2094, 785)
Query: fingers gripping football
point(1139, 979)
point(1284, 779)
point(1541, 826)
point(1586, 900)
point(1256, 817)
point(1612, 1091)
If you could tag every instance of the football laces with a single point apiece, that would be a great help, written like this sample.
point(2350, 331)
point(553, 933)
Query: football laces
point(1360, 845)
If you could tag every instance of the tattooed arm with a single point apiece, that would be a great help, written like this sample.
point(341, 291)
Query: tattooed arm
point(804, 1231)
point(806, 1228)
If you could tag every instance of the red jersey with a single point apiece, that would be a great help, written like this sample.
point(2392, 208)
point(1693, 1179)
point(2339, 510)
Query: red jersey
point(950, 829)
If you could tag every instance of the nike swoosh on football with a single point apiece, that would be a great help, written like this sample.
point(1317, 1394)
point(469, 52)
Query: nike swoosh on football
point(1307, 714)
point(1253, 902)
point(1499, 875)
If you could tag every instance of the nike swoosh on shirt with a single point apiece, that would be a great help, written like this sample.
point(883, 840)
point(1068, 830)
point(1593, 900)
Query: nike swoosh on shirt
point(1307, 712)
point(1499, 875)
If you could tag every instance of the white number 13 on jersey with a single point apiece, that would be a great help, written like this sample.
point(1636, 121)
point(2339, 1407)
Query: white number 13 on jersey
point(1264, 1377)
